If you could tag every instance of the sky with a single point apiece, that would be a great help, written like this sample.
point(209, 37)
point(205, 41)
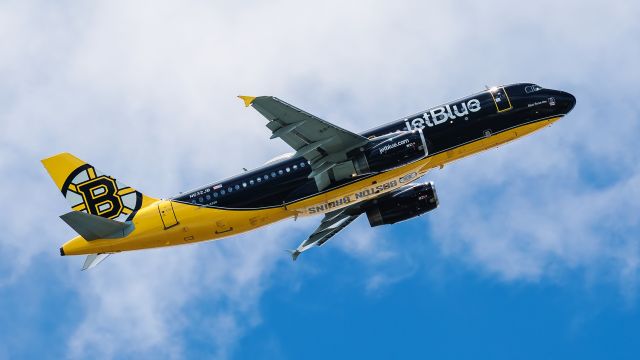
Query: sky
point(533, 252)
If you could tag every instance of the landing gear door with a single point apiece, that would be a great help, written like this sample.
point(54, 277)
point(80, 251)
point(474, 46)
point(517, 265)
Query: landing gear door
point(167, 214)
point(501, 99)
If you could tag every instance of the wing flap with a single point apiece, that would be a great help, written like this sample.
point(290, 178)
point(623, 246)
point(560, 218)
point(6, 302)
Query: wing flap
point(279, 132)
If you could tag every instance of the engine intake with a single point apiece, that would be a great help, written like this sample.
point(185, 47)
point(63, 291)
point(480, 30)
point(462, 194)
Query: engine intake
point(403, 204)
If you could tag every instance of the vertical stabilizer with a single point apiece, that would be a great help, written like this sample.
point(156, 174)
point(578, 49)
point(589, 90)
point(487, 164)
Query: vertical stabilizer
point(91, 191)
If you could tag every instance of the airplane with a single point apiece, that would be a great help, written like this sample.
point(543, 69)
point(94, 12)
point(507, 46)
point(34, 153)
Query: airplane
point(331, 172)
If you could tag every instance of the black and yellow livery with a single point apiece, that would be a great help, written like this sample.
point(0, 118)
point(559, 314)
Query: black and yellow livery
point(332, 171)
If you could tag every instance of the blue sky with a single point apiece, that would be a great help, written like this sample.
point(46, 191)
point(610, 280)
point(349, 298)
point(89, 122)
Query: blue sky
point(533, 252)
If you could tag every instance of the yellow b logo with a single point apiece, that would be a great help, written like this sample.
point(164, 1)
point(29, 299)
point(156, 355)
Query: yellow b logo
point(100, 197)
point(98, 194)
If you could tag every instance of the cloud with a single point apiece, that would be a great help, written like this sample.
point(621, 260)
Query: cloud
point(364, 243)
point(144, 302)
point(147, 94)
point(532, 212)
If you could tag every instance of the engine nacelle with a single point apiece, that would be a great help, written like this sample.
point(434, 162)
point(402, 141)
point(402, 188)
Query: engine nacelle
point(403, 204)
point(391, 151)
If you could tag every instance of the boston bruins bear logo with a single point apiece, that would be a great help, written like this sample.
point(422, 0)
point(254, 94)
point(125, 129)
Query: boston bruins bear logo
point(95, 193)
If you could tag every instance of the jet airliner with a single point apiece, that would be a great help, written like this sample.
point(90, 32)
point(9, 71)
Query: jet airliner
point(331, 172)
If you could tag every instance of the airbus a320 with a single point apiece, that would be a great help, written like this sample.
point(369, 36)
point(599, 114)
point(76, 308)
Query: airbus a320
point(331, 171)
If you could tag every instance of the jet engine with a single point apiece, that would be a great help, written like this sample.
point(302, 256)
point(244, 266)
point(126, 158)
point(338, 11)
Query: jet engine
point(403, 204)
point(390, 151)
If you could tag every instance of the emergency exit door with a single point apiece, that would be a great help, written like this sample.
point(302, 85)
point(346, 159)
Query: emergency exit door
point(501, 99)
point(167, 214)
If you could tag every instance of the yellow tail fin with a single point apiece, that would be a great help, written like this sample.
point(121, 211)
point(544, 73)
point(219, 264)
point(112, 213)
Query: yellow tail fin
point(91, 191)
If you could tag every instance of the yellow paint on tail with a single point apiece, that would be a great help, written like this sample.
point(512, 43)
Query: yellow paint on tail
point(89, 190)
point(60, 166)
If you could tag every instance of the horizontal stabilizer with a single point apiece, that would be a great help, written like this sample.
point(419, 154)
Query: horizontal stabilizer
point(93, 260)
point(92, 227)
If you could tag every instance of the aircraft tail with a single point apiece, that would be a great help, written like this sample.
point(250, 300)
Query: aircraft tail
point(93, 192)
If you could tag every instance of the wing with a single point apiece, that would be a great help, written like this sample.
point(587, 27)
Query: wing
point(330, 225)
point(324, 144)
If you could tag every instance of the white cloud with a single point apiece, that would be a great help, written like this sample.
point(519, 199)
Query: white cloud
point(365, 243)
point(518, 221)
point(143, 302)
point(154, 87)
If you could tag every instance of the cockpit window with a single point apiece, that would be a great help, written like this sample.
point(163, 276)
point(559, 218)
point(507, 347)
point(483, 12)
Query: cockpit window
point(532, 88)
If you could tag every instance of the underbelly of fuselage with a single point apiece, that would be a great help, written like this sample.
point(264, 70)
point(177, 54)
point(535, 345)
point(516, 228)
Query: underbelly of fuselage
point(193, 223)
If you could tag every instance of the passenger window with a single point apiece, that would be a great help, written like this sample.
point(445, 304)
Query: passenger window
point(259, 179)
point(273, 174)
point(301, 164)
point(200, 199)
point(288, 170)
point(251, 182)
point(215, 194)
point(266, 177)
point(208, 197)
point(222, 192)
point(237, 187)
point(280, 172)
point(295, 167)
point(244, 184)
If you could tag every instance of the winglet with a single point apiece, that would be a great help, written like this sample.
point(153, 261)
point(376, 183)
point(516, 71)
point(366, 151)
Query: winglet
point(294, 254)
point(247, 99)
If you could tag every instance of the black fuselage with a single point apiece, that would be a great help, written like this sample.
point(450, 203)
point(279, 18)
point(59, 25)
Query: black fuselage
point(445, 127)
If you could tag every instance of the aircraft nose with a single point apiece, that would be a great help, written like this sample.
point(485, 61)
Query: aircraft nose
point(566, 101)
